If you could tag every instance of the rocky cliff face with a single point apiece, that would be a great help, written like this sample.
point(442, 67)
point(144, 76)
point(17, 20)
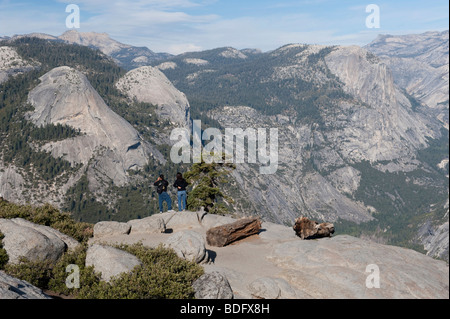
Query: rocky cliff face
point(66, 97)
point(347, 132)
point(420, 65)
point(294, 188)
point(388, 126)
point(11, 183)
point(378, 125)
point(149, 85)
point(12, 64)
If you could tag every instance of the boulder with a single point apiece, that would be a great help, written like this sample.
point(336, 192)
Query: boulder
point(31, 242)
point(110, 261)
point(103, 229)
point(13, 288)
point(221, 236)
point(183, 220)
point(188, 245)
point(148, 225)
point(271, 288)
point(309, 229)
point(70, 242)
point(212, 285)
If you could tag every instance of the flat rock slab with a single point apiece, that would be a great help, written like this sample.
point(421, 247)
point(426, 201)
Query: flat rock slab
point(278, 264)
point(340, 267)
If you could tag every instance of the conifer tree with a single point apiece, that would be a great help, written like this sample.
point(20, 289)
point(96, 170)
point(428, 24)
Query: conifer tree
point(206, 179)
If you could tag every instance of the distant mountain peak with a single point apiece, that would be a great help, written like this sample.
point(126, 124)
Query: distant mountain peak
point(101, 41)
point(125, 55)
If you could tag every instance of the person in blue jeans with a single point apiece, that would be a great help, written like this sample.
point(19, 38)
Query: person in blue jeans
point(161, 189)
point(181, 184)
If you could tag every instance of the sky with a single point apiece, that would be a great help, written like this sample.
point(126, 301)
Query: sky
point(177, 26)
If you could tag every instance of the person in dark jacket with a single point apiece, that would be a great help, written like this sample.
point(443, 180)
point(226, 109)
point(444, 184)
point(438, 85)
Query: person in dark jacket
point(181, 184)
point(161, 189)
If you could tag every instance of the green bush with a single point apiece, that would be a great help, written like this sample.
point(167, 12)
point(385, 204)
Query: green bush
point(49, 216)
point(162, 275)
point(36, 273)
point(88, 278)
point(3, 255)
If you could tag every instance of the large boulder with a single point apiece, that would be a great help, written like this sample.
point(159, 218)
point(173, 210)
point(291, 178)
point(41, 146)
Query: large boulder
point(104, 229)
point(148, 225)
point(31, 241)
point(70, 242)
point(13, 288)
point(212, 285)
point(188, 245)
point(110, 261)
point(184, 220)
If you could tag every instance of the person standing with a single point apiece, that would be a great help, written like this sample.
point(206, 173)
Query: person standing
point(181, 184)
point(161, 189)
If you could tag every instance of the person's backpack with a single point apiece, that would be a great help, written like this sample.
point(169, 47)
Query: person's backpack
point(162, 187)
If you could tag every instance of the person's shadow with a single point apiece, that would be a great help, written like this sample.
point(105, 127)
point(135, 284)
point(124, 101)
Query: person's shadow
point(211, 255)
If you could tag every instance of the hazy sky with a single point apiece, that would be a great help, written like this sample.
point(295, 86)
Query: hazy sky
point(176, 26)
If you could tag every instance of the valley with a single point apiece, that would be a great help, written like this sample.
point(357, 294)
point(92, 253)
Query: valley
point(363, 137)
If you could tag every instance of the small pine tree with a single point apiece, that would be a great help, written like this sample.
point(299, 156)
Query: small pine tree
point(205, 179)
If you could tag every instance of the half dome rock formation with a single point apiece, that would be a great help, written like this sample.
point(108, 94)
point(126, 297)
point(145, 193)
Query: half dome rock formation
point(66, 97)
point(149, 85)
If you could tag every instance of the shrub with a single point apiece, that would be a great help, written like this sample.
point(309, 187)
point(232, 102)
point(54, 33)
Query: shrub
point(206, 179)
point(162, 275)
point(36, 273)
point(49, 216)
point(88, 278)
point(3, 255)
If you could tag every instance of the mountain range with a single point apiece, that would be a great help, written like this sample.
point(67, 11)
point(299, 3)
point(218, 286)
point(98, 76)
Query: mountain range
point(363, 132)
point(127, 56)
